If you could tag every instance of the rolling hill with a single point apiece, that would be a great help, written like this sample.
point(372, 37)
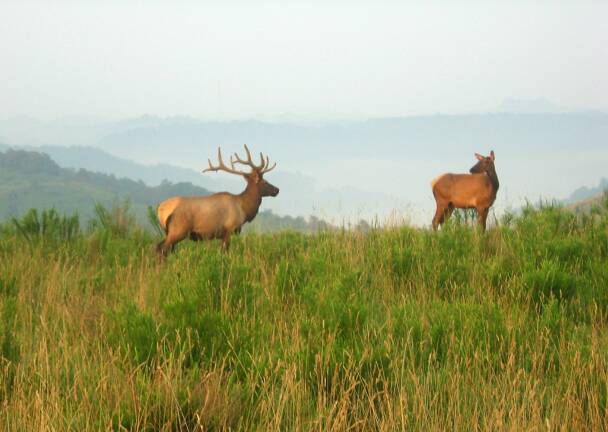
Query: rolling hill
point(588, 203)
point(584, 193)
point(33, 180)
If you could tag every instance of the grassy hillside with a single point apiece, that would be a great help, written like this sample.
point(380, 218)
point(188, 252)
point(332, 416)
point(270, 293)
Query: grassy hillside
point(388, 330)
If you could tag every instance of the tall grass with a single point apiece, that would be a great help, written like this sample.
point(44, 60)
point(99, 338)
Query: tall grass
point(389, 329)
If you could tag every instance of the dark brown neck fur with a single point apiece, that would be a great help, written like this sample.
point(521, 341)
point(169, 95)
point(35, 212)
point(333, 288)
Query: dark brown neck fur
point(493, 178)
point(251, 198)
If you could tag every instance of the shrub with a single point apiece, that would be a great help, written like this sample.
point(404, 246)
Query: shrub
point(117, 222)
point(48, 225)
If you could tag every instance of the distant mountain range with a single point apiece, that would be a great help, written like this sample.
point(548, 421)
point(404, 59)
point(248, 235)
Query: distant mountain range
point(359, 168)
point(188, 142)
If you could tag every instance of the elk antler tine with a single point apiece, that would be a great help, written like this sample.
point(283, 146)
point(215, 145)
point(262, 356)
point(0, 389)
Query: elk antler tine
point(262, 161)
point(207, 169)
point(248, 154)
point(271, 168)
point(239, 160)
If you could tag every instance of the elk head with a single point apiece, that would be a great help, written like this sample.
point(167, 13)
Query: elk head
point(254, 178)
point(485, 164)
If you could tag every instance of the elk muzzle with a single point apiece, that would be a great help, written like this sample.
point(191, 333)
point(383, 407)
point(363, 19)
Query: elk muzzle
point(269, 189)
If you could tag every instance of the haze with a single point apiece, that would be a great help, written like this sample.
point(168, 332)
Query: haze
point(261, 59)
point(318, 64)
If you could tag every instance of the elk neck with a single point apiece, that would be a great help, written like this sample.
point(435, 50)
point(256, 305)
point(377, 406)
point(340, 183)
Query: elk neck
point(251, 198)
point(493, 178)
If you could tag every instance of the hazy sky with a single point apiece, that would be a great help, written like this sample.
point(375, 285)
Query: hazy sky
point(233, 59)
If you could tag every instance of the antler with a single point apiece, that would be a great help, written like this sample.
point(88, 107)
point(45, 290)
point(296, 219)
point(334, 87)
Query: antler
point(222, 166)
point(266, 169)
point(261, 169)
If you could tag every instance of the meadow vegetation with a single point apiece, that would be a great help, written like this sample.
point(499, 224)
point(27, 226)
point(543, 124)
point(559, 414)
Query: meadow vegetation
point(388, 329)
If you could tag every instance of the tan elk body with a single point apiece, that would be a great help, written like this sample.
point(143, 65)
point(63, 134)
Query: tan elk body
point(476, 190)
point(219, 215)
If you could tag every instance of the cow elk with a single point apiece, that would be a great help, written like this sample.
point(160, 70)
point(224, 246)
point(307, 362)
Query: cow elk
point(219, 215)
point(467, 191)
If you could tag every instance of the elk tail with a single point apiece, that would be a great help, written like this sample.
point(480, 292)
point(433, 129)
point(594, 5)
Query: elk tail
point(167, 222)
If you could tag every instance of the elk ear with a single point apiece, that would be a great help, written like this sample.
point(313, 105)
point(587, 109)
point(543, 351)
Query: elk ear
point(492, 155)
point(479, 157)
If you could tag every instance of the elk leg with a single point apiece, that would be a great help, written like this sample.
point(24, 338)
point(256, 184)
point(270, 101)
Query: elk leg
point(447, 213)
point(438, 218)
point(168, 244)
point(163, 249)
point(195, 237)
point(226, 241)
point(482, 215)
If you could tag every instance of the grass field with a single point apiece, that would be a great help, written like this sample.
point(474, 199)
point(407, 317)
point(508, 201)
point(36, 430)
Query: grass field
point(393, 329)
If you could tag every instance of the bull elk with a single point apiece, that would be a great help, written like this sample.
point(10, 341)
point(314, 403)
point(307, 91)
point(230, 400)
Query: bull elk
point(476, 190)
point(219, 215)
